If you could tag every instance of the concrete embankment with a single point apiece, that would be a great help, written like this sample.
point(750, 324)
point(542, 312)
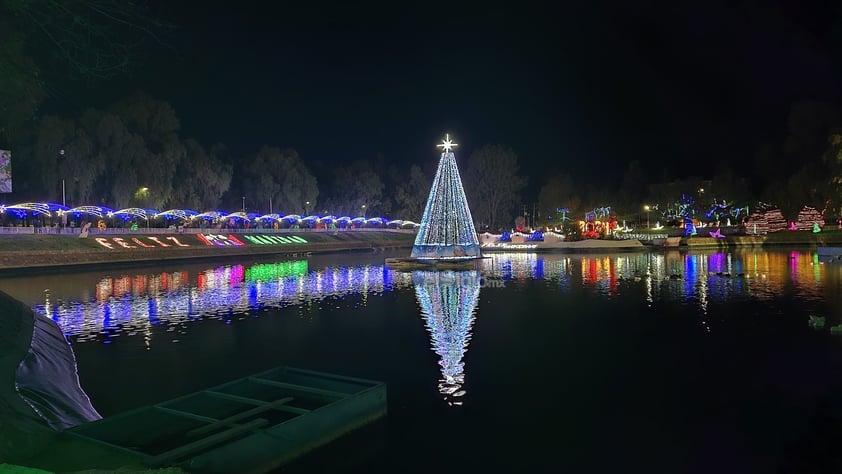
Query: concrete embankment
point(792, 238)
point(46, 252)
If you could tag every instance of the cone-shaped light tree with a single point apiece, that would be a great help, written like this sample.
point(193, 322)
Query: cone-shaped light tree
point(447, 228)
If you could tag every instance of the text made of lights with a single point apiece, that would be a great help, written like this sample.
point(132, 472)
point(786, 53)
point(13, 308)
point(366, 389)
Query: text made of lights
point(210, 240)
point(140, 242)
point(231, 240)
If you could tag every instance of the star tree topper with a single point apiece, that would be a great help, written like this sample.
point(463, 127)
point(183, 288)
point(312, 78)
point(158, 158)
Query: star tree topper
point(447, 144)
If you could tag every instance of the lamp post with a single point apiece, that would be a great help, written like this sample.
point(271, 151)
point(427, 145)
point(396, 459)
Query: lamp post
point(363, 206)
point(244, 204)
point(63, 202)
point(307, 208)
point(646, 208)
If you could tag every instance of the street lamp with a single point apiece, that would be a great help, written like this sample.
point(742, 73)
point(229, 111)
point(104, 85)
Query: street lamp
point(646, 208)
point(244, 204)
point(141, 196)
point(307, 208)
point(363, 206)
point(63, 202)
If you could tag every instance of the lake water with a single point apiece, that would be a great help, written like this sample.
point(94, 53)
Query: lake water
point(637, 362)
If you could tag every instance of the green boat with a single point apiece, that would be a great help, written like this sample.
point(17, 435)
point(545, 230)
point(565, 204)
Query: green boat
point(254, 424)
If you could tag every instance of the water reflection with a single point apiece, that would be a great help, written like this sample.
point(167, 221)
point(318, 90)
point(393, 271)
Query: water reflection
point(690, 277)
point(108, 307)
point(448, 301)
point(133, 304)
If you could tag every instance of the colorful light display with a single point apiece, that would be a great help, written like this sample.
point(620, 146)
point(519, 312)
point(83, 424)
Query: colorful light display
point(448, 304)
point(140, 242)
point(447, 228)
point(131, 305)
point(274, 239)
point(209, 240)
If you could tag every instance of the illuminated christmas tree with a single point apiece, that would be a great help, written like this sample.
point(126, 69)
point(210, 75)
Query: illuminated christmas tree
point(448, 300)
point(447, 229)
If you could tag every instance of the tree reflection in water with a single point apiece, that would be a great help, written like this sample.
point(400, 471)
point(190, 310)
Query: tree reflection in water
point(448, 301)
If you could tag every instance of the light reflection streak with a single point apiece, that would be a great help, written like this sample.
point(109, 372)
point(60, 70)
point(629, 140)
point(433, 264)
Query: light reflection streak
point(448, 301)
point(132, 305)
point(124, 304)
point(695, 279)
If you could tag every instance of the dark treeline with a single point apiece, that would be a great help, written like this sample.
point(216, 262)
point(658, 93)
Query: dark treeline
point(131, 152)
point(131, 155)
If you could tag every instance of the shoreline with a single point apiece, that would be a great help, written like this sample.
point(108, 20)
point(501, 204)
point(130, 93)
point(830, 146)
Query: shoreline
point(44, 253)
point(39, 253)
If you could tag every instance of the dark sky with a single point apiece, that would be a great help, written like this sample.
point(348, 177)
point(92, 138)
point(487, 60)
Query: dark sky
point(583, 87)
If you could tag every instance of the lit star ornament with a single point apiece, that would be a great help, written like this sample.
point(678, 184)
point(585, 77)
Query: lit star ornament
point(447, 144)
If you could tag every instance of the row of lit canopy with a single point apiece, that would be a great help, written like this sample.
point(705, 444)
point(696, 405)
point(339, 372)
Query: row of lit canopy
point(48, 209)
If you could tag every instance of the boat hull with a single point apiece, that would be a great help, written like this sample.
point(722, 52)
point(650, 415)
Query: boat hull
point(254, 424)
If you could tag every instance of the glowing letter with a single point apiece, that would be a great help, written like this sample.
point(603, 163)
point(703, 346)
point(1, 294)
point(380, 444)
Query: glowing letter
point(157, 241)
point(175, 239)
point(122, 243)
point(204, 239)
point(104, 242)
point(138, 242)
point(235, 240)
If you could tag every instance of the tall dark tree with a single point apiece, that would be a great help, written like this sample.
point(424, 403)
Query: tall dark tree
point(411, 195)
point(356, 186)
point(728, 187)
point(633, 190)
point(21, 86)
point(202, 178)
point(281, 178)
point(492, 184)
point(124, 153)
point(560, 192)
point(155, 122)
point(47, 44)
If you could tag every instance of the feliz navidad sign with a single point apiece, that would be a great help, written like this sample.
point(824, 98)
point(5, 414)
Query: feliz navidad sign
point(198, 240)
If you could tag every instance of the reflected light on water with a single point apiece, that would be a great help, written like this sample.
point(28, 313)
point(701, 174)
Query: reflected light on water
point(697, 278)
point(448, 301)
point(129, 305)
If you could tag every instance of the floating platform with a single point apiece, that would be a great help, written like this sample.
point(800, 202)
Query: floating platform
point(410, 263)
point(592, 245)
point(254, 424)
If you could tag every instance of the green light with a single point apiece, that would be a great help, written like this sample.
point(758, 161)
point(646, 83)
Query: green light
point(275, 271)
point(274, 239)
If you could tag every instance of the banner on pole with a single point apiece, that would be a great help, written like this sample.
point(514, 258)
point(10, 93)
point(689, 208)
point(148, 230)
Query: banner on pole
point(5, 171)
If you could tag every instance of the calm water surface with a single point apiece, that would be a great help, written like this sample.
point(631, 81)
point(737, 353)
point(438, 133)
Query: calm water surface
point(653, 362)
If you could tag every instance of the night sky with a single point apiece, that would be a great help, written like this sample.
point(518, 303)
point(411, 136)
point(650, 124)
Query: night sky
point(582, 88)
